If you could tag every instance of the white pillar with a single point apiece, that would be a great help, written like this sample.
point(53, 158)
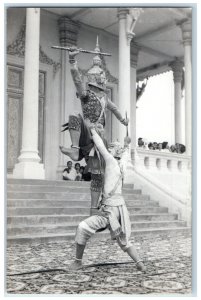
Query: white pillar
point(134, 59)
point(68, 34)
point(177, 67)
point(124, 70)
point(29, 166)
point(187, 40)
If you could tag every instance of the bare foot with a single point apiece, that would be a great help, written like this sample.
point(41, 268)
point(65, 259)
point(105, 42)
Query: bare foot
point(73, 153)
point(141, 266)
point(75, 265)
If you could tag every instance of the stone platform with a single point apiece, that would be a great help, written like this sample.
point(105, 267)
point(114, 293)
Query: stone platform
point(167, 258)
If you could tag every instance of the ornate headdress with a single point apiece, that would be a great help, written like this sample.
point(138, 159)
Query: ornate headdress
point(96, 75)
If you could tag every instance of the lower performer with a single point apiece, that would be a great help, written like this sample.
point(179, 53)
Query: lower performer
point(111, 212)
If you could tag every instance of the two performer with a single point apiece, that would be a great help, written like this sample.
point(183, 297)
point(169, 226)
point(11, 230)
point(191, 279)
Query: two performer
point(108, 209)
point(94, 102)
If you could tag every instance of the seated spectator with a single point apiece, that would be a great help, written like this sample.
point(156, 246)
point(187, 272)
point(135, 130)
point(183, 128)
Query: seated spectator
point(155, 146)
point(160, 146)
point(145, 146)
point(78, 175)
point(140, 142)
point(150, 146)
point(69, 172)
point(182, 148)
point(86, 176)
point(173, 149)
point(165, 147)
point(177, 147)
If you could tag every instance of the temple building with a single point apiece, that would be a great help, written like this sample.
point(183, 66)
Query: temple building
point(143, 42)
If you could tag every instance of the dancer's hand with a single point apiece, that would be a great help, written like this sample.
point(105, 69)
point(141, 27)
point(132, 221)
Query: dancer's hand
point(125, 122)
point(73, 52)
point(127, 141)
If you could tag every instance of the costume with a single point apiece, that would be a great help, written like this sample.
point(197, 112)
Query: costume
point(112, 203)
point(94, 102)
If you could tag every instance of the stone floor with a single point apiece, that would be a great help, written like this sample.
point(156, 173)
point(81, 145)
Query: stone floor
point(167, 258)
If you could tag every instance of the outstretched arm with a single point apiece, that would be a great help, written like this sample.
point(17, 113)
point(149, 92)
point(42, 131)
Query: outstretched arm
point(114, 109)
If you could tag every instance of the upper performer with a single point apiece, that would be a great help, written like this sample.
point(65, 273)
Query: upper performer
point(94, 102)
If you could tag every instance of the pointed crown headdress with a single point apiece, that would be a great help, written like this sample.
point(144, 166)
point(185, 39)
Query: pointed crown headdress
point(96, 75)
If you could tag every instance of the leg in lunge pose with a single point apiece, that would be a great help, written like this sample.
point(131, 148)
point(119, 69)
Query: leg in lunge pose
point(90, 226)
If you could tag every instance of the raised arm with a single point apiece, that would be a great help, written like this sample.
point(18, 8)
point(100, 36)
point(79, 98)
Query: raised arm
point(100, 145)
point(77, 78)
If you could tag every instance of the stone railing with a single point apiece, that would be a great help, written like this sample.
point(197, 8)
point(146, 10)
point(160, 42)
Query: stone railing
point(166, 177)
point(154, 160)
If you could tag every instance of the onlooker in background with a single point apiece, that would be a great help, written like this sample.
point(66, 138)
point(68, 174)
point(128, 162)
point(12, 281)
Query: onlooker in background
point(173, 149)
point(150, 146)
point(86, 176)
point(165, 147)
point(182, 148)
point(69, 172)
point(140, 142)
point(78, 175)
point(145, 146)
point(155, 146)
point(177, 146)
point(160, 145)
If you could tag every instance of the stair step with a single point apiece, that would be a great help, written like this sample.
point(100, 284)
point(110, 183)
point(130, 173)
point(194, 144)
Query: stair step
point(102, 235)
point(59, 188)
point(75, 219)
point(42, 182)
point(66, 195)
point(45, 219)
point(70, 203)
point(69, 227)
point(20, 211)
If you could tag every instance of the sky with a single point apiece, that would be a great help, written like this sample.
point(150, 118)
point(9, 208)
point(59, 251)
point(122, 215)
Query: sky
point(155, 110)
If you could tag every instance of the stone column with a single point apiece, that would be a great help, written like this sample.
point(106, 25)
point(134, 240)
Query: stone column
point(134, 59)
point(177, 68)
point(124, 69)
point(68, 33)
point(29, 166)
point(187, 41)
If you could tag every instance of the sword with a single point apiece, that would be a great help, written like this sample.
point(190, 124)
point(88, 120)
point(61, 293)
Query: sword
point(81, 50)
point(126, 125)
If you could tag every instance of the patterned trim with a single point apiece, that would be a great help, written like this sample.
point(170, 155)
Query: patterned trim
point(74, 123)
point(17, 48)
point(96, 182)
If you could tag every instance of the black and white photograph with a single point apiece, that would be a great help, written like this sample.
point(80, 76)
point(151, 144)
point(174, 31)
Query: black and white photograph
point(100, 149)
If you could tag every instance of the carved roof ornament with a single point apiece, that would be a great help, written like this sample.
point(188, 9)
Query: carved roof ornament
point(140, 88)
point(17, 48)
point(177, 68)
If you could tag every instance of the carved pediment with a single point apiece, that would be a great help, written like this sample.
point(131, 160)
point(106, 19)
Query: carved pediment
point(17, 48)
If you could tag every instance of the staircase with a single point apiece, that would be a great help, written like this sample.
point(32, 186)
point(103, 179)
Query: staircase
point(44, 210)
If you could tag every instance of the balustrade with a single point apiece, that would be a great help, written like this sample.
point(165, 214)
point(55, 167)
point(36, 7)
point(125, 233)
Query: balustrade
point(153, 160)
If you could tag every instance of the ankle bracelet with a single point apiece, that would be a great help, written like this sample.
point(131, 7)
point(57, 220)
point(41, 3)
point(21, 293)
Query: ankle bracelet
point(76, 147)
point(78, 259)
point(137, 262)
